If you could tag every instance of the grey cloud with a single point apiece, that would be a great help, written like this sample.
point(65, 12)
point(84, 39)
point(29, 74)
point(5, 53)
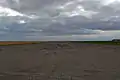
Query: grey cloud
point(38, 5)
point(90, 16)
point(49, 7)
point(35, 5)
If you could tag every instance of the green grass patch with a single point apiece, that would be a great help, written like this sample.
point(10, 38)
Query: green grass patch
point(102, 42)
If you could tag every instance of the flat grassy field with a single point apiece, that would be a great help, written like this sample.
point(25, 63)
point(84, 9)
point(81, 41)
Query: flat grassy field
point(15, 42)
point(99, 42)
point(38, 42)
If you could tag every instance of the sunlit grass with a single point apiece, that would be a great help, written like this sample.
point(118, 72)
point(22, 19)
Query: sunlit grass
point(16, 42)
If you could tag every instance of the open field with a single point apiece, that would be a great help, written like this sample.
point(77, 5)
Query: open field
point(39, 42)
point(60, 61)
point(100, 42)
point(15, 42)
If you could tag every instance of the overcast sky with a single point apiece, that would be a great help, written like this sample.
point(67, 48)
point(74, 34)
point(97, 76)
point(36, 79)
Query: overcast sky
point(60, 19)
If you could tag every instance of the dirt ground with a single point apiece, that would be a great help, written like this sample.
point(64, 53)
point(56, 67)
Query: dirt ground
point(60, 61)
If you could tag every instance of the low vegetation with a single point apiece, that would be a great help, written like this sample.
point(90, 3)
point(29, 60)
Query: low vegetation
point(15, 42)
point(102, 42)
point(37, 42)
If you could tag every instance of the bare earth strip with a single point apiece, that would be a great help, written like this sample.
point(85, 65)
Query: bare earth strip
point(60, 61)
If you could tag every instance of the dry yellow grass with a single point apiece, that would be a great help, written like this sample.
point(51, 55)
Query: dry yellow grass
point(14, 42)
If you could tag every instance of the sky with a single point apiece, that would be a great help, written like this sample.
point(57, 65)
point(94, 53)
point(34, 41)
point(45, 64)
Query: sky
point(59, 20)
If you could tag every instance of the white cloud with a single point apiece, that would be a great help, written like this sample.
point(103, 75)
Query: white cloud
point(108, 2)
point(21, 22)
point(9, 12)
